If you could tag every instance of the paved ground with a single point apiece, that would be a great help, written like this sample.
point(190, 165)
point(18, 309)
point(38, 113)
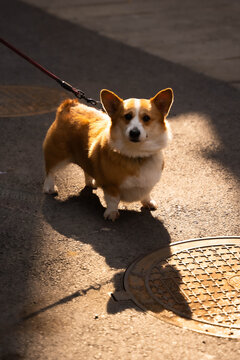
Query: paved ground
point(59, 258)
point(203, 36)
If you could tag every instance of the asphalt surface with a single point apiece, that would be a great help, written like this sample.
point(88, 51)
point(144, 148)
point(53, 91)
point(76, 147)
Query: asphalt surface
point(204, 36)
point(59, 259)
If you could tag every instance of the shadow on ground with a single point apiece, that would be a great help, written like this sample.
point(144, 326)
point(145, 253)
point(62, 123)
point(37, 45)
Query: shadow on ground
point(91, 62)
point(133, 235)
point(81, 218)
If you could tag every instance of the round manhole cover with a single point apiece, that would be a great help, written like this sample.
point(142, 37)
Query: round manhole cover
point(28, 100)
point(194, 284)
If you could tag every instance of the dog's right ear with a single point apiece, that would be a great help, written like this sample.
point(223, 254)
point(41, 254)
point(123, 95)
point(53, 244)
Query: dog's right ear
point(110, 101)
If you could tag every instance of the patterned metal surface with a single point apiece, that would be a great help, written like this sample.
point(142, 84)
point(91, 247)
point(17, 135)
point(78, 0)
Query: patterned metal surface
point(194, 284)
point(28, 100)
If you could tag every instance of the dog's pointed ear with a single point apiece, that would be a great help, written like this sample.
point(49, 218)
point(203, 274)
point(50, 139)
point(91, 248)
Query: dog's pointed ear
point(110, 101)
point(163, 101)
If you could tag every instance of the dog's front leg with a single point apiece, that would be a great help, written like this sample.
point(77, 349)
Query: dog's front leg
point(111, 212)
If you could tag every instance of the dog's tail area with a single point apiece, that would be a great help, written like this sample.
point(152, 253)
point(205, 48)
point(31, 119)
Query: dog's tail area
point(66, 105)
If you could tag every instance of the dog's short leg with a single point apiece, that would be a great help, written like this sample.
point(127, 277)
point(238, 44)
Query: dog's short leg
point(111, 213)
point(148, 203)
point(49, 187)
point(89, 181)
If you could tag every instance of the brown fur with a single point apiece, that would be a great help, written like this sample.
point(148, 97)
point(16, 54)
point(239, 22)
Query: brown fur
point(102, 146)
point(71, 136)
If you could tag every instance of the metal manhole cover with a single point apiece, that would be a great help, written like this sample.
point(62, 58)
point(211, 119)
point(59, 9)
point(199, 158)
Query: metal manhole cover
point(194, 284)
point(28, 100)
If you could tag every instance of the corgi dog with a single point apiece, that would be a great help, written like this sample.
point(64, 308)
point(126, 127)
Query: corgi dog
point(119, 150)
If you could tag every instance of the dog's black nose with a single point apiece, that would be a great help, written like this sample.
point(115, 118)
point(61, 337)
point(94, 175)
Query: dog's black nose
point(134, 134)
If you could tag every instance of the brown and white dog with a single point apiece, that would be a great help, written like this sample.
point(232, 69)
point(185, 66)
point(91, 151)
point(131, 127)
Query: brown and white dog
point(120, 151)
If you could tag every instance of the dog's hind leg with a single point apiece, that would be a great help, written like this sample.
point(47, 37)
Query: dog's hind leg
point(55, 157)
point(49, 186)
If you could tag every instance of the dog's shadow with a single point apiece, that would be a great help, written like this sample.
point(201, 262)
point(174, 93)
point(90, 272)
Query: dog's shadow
point(133, 235)
point(120, 242)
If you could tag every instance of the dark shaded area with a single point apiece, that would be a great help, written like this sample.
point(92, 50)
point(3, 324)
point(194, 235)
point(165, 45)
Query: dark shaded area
point(90, 62)
point(155, 303)
point(134, 234)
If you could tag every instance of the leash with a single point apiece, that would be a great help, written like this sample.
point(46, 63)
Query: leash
point(78, 93)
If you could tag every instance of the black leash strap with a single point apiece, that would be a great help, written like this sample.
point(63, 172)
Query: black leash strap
point(78, 93)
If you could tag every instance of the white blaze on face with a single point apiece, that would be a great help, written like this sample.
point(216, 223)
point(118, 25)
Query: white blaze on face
point(135, 123)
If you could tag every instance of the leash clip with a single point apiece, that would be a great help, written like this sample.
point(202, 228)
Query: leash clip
point(79, 94)
point(92, 101)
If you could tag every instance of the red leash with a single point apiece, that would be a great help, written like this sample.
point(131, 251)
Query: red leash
point(78, 93)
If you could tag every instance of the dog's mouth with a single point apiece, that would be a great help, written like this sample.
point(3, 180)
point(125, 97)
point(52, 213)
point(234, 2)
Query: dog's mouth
point(134, 140)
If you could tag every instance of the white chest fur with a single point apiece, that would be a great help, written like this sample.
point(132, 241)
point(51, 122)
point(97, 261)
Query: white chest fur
point(135, 188)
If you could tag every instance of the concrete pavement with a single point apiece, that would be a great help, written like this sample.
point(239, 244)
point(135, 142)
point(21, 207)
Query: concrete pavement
point(203, 36)
point(59, 259)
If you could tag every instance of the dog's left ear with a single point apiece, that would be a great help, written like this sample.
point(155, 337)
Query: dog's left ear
point(163, 101)
point(110, 101)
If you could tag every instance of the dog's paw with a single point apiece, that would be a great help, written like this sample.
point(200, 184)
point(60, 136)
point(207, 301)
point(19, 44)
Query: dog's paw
point(93, 184)
point(51, 191)
point(50, 188)
point(149, 204)
point(89, 181)
point(111, 215)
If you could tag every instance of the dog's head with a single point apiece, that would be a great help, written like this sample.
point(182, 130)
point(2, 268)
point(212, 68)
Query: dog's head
point(139, 126)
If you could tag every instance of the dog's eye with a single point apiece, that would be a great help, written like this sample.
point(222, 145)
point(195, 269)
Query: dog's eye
point(146, 118)
point(128, 116)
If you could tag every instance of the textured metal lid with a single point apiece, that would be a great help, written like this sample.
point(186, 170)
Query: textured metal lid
point(194, 284)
